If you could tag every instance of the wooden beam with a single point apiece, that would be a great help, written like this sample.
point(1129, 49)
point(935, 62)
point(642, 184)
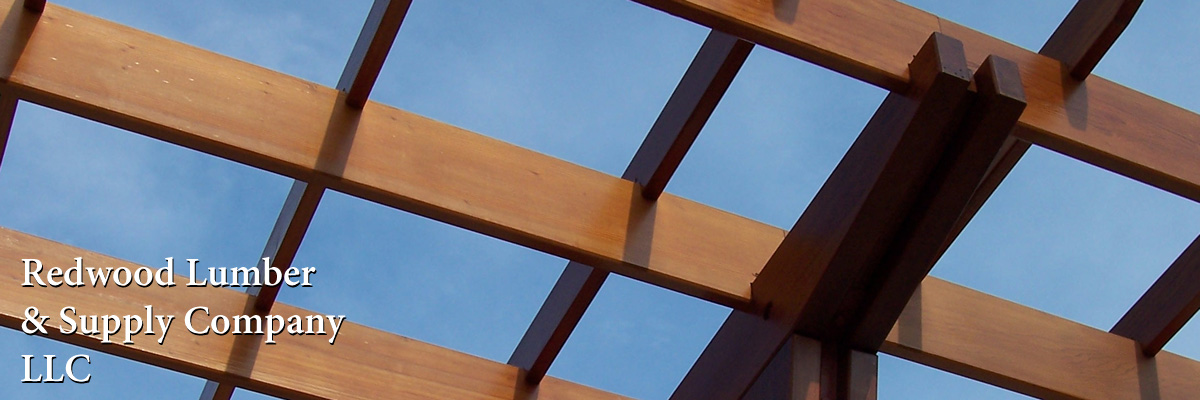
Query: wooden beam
point(8, 111)
point(1002, 343)
point(1098, 121)
point(709, 75)
point(945, 196)
point(705, 82)
point(1079, 42)
point(282, 246)
point(363, 363)
point(806, 369)
point(107, 72)
point(1087, 32)
point(284, 242)
point(846, 227)
point(280, 123)
point(371, 49)
point(1167, 306)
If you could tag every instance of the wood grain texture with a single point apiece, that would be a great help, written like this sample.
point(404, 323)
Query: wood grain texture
point(127, 78)
point(1079, 42)
point(845, 229)
point(371, 50)
point(1167, 306)
point(106, 72)
point(996, 341)
point(941, 203)
point(695, 97)
point(1087, 32)
point(1099, 122)
point(363, 364)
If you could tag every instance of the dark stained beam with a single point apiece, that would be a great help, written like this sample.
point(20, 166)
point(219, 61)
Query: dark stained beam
point(371, 49)
point(1087, 32)
point(686, 112)
point(284, 242)
point(1079, 42)
point(1167, 306)
point(806, 369)
point(36, 6)
point(681, 120)
point(997, 106)
point(282, 246)
point(846, 227)
point(8, 110)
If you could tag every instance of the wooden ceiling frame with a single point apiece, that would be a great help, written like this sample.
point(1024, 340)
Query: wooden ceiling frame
point(190, 97)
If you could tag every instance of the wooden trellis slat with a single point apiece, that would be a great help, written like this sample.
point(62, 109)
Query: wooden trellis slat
point(1167, 306)
point(374, 42)
point(1079, 42)
point(8, 110)
point(686, 112)
point(282, 246)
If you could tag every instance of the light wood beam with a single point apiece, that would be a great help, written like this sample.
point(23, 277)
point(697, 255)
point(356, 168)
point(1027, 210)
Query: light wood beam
point(1167, 306)
point(163, 89)
point(709, 75)
point(1015, 347)
point(845, 229)
point(364, 363)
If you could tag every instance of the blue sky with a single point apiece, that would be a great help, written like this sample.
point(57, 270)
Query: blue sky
point(582, 81)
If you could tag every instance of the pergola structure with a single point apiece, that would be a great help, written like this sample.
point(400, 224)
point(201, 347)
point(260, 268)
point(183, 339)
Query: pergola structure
point(811, 306)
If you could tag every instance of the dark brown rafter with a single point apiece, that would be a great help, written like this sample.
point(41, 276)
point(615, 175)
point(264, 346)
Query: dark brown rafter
point(373, 45)
point(870, 242)
point(8, 110)
point(705, 82)
point(1167, 306)
point(1080, 41)
point(847, 226)
point(917, 247)
point(362, 69)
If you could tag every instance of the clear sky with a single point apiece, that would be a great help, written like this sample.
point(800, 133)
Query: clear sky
point(583, 81)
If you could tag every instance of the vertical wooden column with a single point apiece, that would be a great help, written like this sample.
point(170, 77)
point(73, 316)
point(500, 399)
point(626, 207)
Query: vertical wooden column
point(677, 126)
point(806, 369)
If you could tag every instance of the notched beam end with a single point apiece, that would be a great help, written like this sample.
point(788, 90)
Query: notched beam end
point(941, 55)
